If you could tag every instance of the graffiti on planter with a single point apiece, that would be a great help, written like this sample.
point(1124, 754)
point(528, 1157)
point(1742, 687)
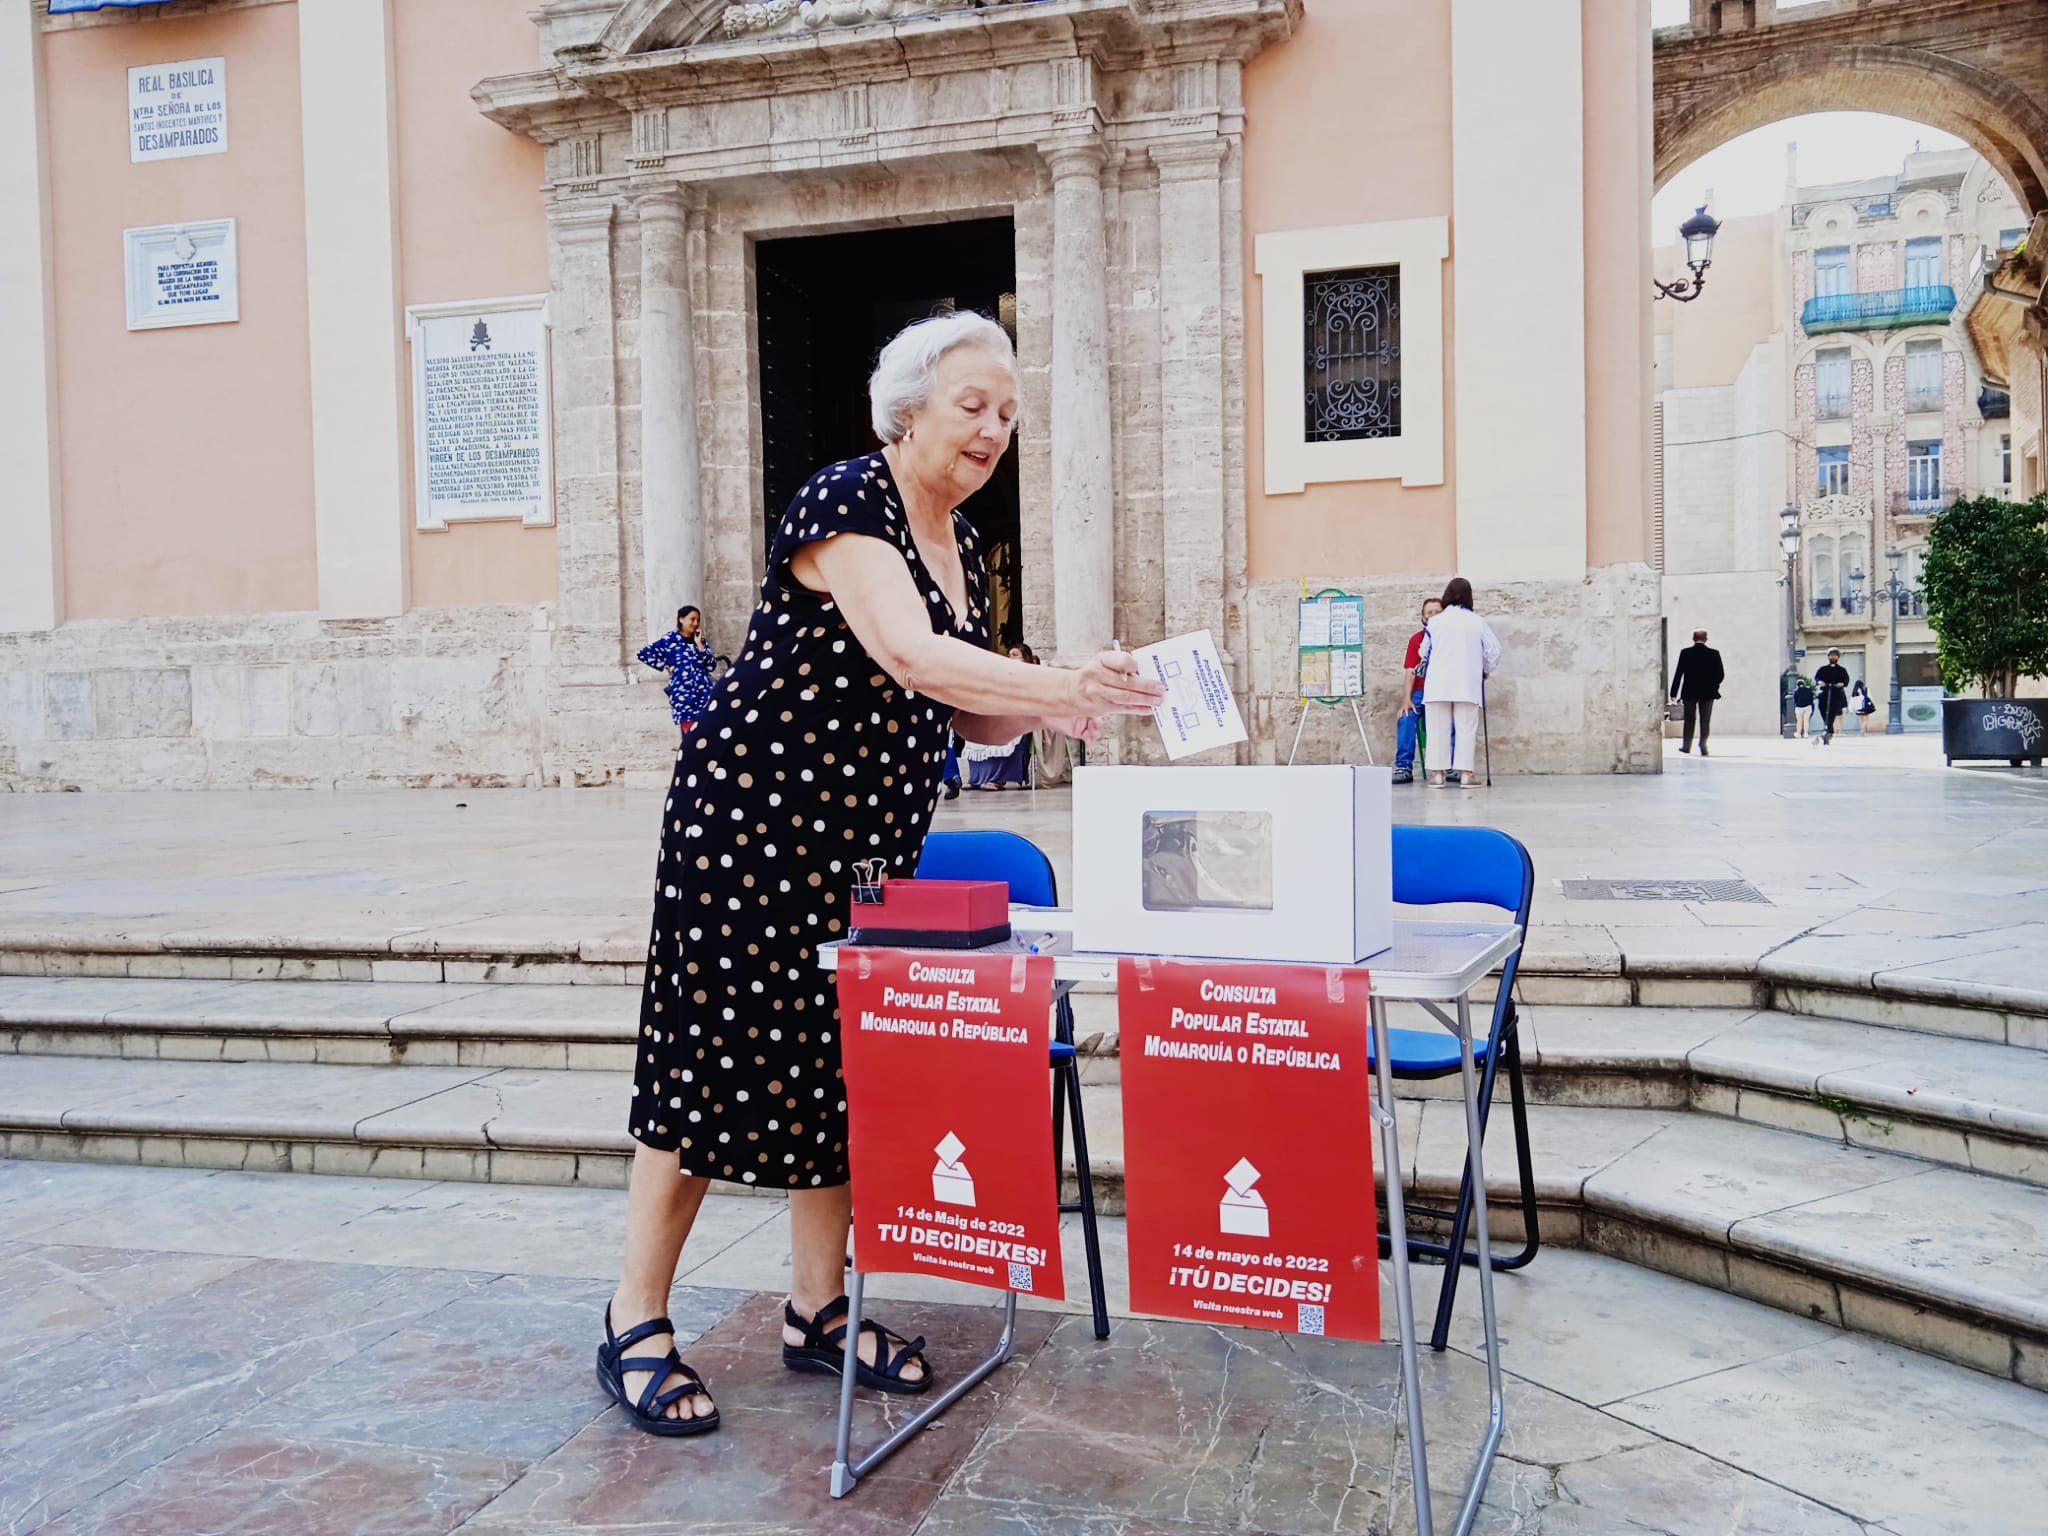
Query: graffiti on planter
point(2023, 723)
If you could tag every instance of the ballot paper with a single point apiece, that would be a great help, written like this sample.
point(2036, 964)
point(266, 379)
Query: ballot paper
point(1198, 712)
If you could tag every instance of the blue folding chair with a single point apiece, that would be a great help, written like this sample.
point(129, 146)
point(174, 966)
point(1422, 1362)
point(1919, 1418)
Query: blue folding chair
point(993, 855)
point(1440, 865)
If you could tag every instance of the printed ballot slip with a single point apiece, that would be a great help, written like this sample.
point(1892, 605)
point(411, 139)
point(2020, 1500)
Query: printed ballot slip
point(949, 1111)
point(1248, 1188)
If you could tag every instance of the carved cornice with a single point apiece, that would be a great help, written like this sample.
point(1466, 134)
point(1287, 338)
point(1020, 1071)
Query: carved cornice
point(638, 64)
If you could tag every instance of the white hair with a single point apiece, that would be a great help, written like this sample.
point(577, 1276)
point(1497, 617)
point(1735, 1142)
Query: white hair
point(909, 365)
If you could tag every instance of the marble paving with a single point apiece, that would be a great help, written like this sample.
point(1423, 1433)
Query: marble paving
point(239, 1353)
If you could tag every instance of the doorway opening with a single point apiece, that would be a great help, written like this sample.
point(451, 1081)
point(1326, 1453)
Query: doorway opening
point(825, 307)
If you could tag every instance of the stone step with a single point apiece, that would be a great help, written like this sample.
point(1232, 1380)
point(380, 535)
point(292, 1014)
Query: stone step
point(1942, 1259)
point(1969, 1104)
point(1996, 994)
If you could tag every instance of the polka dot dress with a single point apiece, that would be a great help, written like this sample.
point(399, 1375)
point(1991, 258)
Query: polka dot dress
point(808, 758)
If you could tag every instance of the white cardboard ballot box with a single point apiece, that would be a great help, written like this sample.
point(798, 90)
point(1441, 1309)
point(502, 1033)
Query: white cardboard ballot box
point(1239, 863)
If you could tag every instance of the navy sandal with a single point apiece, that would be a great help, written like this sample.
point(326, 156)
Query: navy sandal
point(650, 1411)
point(823, 1351)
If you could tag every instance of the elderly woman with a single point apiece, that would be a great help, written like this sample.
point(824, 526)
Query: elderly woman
point(1459, 650)
point(823, 745)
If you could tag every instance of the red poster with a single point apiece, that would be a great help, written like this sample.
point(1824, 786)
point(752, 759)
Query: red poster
point(949, 1107)
point(1248, 1189)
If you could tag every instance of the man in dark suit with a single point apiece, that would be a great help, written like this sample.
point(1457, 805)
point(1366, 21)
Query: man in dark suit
point(1698, 682)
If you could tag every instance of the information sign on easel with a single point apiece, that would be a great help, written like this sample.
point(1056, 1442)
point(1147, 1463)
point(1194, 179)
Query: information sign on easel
point(1330, 657)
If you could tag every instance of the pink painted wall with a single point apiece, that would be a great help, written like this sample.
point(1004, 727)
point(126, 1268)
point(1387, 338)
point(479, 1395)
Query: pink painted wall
point(471, 226)
point(1306, 122)
point(1618, 334)
point(186, 453)
point(1294, 97)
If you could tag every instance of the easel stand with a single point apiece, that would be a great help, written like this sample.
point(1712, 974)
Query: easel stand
point(1356, 719)
point(846, 1471)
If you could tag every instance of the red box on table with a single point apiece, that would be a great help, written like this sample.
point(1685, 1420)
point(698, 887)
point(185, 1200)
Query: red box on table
point(931, 914)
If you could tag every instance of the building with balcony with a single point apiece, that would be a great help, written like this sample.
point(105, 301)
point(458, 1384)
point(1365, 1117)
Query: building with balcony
point(1827, 365)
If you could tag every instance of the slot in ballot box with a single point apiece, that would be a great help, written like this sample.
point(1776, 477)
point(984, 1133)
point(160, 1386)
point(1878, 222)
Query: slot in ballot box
point(1243, 863)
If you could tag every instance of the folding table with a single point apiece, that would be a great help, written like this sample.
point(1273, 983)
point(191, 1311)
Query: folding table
point(1434, 964)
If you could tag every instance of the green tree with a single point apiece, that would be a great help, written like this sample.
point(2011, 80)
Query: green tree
point(1985, 579)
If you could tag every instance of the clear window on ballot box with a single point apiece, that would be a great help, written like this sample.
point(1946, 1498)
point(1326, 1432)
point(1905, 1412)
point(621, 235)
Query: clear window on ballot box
point(1198, 861)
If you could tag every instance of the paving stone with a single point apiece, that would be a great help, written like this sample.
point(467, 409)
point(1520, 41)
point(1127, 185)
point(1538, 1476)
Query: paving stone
point(300, 1102)
point(770, 1456)
point(1939, 1235)
point(51, 1293)
point(1641, 1039)
point(514, 1229)
point(247, 1481)
point(555, 1013)
point(1596, 1329)
point(183, 1368)
point(1569, 1145)
point(257, 1215)
point(1701, 1175)
point(37, 1196)
point(36, 1092)
point(1959, 1080)
point(531, 1110)
point(1789, 1052)
point(1691, 1495)
point(1842, 1419)
point(518, 1341)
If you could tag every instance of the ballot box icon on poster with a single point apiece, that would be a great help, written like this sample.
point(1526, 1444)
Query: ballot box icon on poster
point(952, 1184)
point(1243, 1212)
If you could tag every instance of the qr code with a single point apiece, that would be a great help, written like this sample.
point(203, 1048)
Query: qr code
point(1308, 1319)
point(1020, 1276)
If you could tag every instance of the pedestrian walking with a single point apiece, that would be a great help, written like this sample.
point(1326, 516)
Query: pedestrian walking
point(1802, 704)
point(1697, 683)
point(1411, 697)
point(1862, 706)
point(1459, 649)
point(1833, 682)
point(684, 655)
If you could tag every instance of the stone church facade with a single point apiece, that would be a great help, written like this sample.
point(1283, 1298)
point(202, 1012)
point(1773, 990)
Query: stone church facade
point(723, 204)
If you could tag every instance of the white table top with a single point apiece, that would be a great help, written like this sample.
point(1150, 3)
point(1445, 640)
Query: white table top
point(1428, 961)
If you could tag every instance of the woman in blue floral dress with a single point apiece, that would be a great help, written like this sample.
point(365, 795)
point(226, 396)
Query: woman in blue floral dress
point(684, 656)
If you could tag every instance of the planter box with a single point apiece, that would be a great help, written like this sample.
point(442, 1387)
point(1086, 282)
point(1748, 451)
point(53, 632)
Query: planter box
point(1994, 730)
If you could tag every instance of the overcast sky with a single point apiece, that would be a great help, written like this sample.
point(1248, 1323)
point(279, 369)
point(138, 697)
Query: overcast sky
point(1747, 175)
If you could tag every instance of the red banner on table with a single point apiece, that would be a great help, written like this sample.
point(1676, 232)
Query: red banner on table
point(949, 1111)
point(1248, 1188)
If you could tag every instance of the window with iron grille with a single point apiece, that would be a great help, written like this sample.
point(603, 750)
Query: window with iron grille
point(2005, 459)
point(1923, 262)
point(1834, 471)
point(1831, 384)
point(1830, 271)
point(1351, 357)
point(1820, 573)
point(1923, 474)
point(1923, 375)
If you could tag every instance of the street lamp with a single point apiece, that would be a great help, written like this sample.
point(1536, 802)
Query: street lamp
point(1788, 540)
point(1852, 595)
point(1698, 234)
point(1895, 590)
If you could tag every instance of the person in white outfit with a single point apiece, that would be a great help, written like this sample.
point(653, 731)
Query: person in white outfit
point(1458, 650)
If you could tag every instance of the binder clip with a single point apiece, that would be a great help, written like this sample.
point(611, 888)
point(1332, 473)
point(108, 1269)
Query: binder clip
point(868, 876)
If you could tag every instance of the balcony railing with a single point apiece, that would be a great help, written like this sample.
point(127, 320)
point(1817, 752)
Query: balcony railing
point(1920, 503)
point(1831, 407)
point(1993, 403)
point(1912, 606)
point(1887, 310)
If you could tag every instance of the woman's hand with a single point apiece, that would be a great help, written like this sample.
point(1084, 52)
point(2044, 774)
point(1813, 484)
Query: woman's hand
point(1112, 684)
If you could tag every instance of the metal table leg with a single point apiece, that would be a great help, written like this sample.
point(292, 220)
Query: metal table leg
point(1497, 1405)
point(1404, 1296)
point(845, 1471)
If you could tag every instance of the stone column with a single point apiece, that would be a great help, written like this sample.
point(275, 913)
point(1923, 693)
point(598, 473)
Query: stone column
point(31, 579)
point(671, 508)
point(1191, 382)
point(355, 345)
point(1083, 538)
point(589, 626)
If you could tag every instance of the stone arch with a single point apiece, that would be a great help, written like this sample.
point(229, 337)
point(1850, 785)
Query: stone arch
point(1990, 114)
